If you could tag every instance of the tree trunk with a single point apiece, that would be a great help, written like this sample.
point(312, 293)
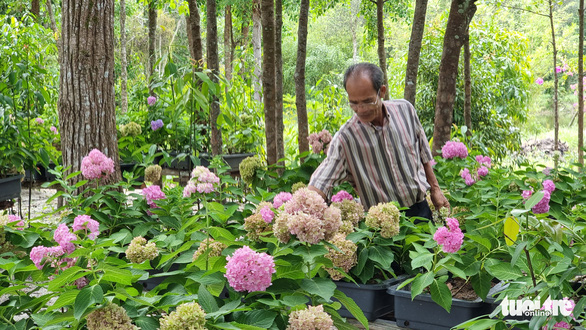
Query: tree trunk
point(461, 13)
point(467, 86)
point(268, 78)
point(382, 55)
point(279, 127)
point(36, 9)
point(354, 10)
point(581, 85)
point(415, 50)
point(152, 11)
point(228, 56)
point(256, 44)
point(555, 79)
point(86, 83)
point(51, 17)
point(124, 62)
point(300, 102)
point(194, 33)
point(214, 66)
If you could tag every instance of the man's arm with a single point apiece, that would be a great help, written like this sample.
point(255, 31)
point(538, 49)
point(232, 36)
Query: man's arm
point(436, 194)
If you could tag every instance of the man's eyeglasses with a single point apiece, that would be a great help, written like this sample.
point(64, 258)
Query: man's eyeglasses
point(355, 106)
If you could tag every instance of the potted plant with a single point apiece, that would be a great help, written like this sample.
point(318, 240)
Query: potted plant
point(13, 156)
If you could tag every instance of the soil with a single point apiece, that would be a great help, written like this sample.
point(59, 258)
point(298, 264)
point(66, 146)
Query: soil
point(544, 146)
point(461, 289)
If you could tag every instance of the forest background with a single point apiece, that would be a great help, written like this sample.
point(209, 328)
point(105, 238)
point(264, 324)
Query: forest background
point(511, 53)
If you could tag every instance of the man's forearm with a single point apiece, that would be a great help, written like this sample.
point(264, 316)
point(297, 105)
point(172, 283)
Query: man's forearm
point(321, 193)
point(430, 176)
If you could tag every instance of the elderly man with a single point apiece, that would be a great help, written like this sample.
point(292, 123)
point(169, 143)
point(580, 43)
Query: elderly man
point(382, 150)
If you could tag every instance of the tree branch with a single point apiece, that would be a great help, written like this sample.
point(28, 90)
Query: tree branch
point(527, 10)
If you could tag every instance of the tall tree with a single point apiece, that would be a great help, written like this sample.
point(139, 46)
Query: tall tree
point(268, 78)
point(256, 49)
point(123, 61)
point(467, 86)
point(555, 79)
point(461, 13)
point(152, 12)
point(581, 85)
point(354, 10)
point(194, 32)
point(36, 8)
point(228, 55)
point(300, 102)
point(51, 17)
point(214, 66)
point(86, 82)
point(415, 50)
point(380, 27)
point(280, 127)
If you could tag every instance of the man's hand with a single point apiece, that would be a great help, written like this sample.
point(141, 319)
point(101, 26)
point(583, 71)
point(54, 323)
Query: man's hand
point(438, 199)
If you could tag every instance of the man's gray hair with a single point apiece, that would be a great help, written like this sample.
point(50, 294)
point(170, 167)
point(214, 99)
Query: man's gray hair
point(372, 71)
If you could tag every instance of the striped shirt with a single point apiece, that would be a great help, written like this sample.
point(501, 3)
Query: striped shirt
point(382, 163)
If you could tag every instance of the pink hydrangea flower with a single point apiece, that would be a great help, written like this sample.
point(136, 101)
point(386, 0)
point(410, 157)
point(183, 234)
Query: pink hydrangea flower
point(454, 149)
point(543, 205)
point(54, 130)
point(248, 270)
point(319, 140)
point(151, 100)
point(450, 239)
point(81, 282)
point(64, 237)
point(539, 81)
point(38, 253)
point(39, 121)
point(86, 223)
point(484, 160)
point(558, 326)
point(342, 195)
point(153, 193)
point(189, 189)
point(307, 227)
point(549, 186)
point(281, 198)
point(267, 214)
point(14, 218)
point(482, 171)
point(306, 201)
point(465, 174)
point(526, 194)
point(96, 165)
point(202, 180)
point(558, 69)
point(547, 170)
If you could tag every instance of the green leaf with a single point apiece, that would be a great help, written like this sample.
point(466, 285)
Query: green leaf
point(146, 323)
point(440, 293)
point(85, 298)
point(259, 318)
point(504, 271)
point(206, 300)
point(381, 255)
point(481, 284)
point(323, 287)
point(484, 242)
point(69, 275)
point(293, 301)
point(118, 275)
point(517, 252)
point(421, 282)
point(352, 307)
point(456, 271)
point(65, 299)
point(309, 253)
point(533, 200)
point(421, 260)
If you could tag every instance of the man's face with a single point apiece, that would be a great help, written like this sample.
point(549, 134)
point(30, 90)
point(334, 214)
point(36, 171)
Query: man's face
point(363, 98)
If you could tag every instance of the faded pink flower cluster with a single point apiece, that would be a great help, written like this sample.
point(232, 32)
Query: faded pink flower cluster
point(54, 130)
point(384, 216)
point(307, 216)
point(454, 149)
point(86, 223)
point(465, 174)
point(450, 240)
point(96, 165)
point(151, 100)
point(345, 258)
point(39, 121)
point(313, 317)
point(54, 255)
point(342, 195)
point(10, 220)
point(153, 193)
point(281, 199)
point(202, 181)
point(543, 205)
point(319, 140)
point(248, 270)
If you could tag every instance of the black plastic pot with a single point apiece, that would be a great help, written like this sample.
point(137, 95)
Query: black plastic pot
point(373, 299)
point(10, 187)
point(157, 276)
point(424, 314)
point(234, 160)
point(183, 164)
